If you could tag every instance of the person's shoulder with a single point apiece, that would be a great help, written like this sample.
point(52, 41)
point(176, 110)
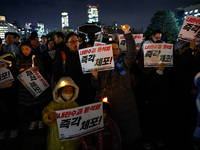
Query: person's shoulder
point(148, 42)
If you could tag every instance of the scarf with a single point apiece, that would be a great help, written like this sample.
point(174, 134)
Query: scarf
point(119, 68)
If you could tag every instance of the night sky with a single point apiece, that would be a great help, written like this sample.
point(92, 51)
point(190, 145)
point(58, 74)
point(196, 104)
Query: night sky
point(136, 13)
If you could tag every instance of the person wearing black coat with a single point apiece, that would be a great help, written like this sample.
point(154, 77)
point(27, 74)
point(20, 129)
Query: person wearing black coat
point(71, 67)
point(119, 92)
point(34, 105)
point(184, 92)
point(8, 100)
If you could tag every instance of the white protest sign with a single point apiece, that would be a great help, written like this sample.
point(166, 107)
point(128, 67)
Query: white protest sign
point(122, 41)
point(5, 74)
point(99, 43)
point(155, 54)
point(100, 57)
point(33, 81)
point(52, 54)
point(190, 29)
point(80, 121)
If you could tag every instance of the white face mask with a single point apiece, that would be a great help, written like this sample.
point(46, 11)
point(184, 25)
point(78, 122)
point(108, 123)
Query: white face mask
point(67, 96)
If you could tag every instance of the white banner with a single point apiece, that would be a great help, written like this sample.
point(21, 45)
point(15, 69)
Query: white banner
point(99, 43)
point(190, 29)
point(122, 41)
point(33, 81)
point(52, 53)
point(80, 121)
point(100, 57)
point(5, 74)
point(155, 54)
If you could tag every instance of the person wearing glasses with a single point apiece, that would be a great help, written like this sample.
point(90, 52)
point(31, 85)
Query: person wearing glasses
point(71, 67)
point(155, 37)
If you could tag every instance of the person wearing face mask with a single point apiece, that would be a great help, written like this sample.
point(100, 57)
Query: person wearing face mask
point(64, 96)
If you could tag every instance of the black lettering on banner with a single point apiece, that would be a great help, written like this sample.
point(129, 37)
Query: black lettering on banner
point(156, 52)
point(195, 28)
point(4, 76)
point(166, 58)
point(32, 77)
point(98, 62)
point(84, 59)
point(106, 61)
point(148, 54)
point(85, 125)
point(28, 73)
point(94, 122)
point(35, 87)
point(90, 123)
point(65, 123)
point(76, 121)
point(91, 58)
point(162, 57)
point(197, 35)
point(188, 26)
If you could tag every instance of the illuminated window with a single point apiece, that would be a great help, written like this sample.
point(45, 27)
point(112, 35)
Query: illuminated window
point(191, 11)
point(196, 11)
point(186, 13)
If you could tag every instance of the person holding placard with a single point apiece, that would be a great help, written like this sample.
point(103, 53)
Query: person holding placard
point(107, 139)
point(154, 96)
point(69, 66)
point(8, 100)
point(119, 92)
point(64, 96)
point(34, 105)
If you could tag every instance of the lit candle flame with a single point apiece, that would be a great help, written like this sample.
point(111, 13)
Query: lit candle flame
point(105, 99)
point(63, 83)
point(124, 27)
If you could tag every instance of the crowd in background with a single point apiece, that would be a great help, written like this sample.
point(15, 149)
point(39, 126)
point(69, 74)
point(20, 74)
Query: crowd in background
point(160, 106)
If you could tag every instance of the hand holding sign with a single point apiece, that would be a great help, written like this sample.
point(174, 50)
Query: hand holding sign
point(53, 116)
point(193, 44)
point(161, 67)
point(21, 70)
point(36, 68)
point(95, 73)
point(125, 28)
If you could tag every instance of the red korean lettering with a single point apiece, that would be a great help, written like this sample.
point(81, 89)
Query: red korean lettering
point(99, 49)
point(97, 106)
point(87, 109)
point(92, 108)
point(79, 111)
point(67, 114)
point(73, 112)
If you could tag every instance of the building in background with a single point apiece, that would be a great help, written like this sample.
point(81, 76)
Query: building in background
point(64, 20)
point(28, 26)
point(6, 27)
point(192, 10)
point(93, 16)
point(40, 26)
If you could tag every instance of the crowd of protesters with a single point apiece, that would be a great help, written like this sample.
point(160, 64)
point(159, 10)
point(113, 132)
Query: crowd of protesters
point(154, 105)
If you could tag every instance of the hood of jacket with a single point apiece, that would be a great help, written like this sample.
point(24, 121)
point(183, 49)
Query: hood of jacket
point(65, 81)
point(197, 79)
